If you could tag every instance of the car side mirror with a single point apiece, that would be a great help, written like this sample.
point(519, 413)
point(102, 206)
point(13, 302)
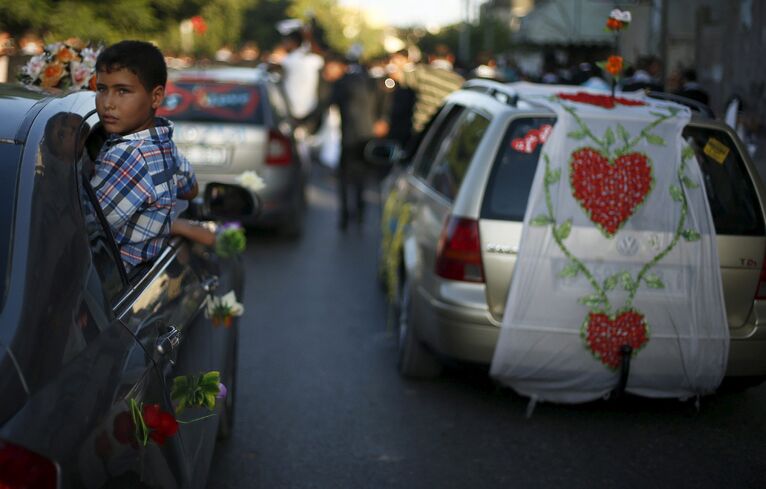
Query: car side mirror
point(383, 152)
point(225, 202)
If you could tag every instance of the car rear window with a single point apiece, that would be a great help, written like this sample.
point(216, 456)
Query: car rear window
point(733, 201)
point(206, 101)
point(9, 167)
point(511, 179)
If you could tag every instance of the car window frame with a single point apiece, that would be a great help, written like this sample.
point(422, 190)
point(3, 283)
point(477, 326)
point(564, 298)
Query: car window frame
point(439, 159)
point(441, 121)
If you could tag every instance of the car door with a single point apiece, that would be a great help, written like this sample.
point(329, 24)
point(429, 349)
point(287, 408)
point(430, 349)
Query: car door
point(159, 304)
point(417, 194)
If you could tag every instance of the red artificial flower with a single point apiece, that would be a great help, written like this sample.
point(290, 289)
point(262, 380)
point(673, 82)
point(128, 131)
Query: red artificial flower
point(160, 423)
point(604, 101)
point(615, 25)
point(614, 65)
point(124, 430)
point(198, 24)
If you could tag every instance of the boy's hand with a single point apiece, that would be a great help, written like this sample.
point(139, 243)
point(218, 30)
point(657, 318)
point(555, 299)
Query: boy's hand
point(190, 194)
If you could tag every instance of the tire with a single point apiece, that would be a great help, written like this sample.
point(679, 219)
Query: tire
point(415, 361)
point(226, 416)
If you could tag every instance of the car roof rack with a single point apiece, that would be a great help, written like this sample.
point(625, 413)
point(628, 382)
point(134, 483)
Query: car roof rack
point(694, 105)
point(500, 91)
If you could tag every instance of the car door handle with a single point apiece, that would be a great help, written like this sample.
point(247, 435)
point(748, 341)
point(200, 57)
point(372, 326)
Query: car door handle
point(210, 284)
point(168, 341)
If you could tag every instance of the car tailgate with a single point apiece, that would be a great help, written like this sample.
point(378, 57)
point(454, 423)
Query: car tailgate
point(740, 260)
point(222, 148)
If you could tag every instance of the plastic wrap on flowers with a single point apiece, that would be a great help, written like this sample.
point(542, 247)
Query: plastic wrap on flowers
point(618, 263)
point(62, 66)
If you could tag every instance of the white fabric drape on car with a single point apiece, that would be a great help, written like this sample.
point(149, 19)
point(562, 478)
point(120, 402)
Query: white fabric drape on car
point(618, 258)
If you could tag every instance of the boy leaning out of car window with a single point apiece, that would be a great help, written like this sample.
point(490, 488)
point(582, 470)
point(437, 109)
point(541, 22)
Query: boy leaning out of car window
point(139, 172)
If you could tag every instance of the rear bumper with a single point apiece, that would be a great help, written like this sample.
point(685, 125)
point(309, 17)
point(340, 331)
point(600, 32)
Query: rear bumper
point(470, 334)
point(459, 332)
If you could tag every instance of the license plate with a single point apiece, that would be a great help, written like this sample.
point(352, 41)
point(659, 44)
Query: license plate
point(205, 155)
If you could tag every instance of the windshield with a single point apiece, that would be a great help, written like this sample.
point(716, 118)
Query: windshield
point(209, 101)
point(9, 167)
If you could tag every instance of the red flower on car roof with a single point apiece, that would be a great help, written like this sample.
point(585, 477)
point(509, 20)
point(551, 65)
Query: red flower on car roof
point(604, 101)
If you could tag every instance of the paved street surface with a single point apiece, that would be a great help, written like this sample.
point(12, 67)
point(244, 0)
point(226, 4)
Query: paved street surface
point(320, 404)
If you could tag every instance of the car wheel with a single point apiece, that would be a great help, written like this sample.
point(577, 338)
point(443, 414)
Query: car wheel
point(226, 419)
point(415, 361)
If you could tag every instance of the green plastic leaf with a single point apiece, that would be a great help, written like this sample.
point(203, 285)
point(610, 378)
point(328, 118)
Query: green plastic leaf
point(623, 133)
point(690, 235)
point(570, 270)
point(541, 220)
point(577, 135)
point(676, 193)
point(626, 279)
point(609, 136)
point(553, 176)
point(687, 152)
point(611, 282)
point(591, 300)
point(657, 114)
point(564, 230)
point(654, 282)
point(689, 183)
point(655, 140)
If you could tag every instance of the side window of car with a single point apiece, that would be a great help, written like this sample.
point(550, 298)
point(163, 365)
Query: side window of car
point(435, 138)
point(106, 259)
point(452, 162)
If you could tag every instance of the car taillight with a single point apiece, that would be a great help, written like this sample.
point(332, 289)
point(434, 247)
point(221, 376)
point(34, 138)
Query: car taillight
point(459, 254)
point(760, 292)
point(23, 469)
point(278, 150)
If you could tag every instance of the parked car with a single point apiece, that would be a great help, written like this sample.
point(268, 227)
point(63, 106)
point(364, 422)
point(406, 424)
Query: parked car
point(465, 194)
point(81, 339)
point(232, 120)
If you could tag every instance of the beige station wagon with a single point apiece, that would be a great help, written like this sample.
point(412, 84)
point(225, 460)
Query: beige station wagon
point(453, 218)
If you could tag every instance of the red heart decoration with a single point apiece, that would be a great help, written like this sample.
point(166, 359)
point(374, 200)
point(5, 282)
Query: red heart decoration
point(610, 192)
point(605, 335)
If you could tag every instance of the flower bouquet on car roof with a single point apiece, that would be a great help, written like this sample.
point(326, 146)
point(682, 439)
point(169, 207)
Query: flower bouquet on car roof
point(618, 21)
point(62, 66)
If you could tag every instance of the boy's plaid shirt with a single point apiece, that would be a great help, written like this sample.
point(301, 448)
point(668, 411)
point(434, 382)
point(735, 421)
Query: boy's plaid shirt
point(137, 179)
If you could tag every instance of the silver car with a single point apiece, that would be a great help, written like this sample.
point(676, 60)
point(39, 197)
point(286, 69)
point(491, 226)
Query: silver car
point(229, 121)
point(453, 218)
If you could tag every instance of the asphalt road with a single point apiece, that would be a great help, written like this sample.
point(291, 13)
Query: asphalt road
point(320, 404)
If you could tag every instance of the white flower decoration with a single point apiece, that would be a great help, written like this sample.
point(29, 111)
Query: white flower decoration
point(621, 15)
point(251, 181)
point(80, 73)
point(216, 305)
point(89, 56)
point(34, 66)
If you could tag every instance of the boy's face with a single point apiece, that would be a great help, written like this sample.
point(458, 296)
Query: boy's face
point(123, 104)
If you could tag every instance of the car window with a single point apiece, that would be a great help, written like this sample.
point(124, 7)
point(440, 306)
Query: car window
point(209, 101)
point(435, 138)
point(106, 261)
point(730, 191)
point(514, 168)
point(452, 162)
point(9, 156)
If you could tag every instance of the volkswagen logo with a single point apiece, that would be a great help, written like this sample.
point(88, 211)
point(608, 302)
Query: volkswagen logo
point(627, 246)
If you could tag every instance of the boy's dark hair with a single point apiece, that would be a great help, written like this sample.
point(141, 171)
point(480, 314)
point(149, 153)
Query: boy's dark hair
point(142, 58)
point(335, 57)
